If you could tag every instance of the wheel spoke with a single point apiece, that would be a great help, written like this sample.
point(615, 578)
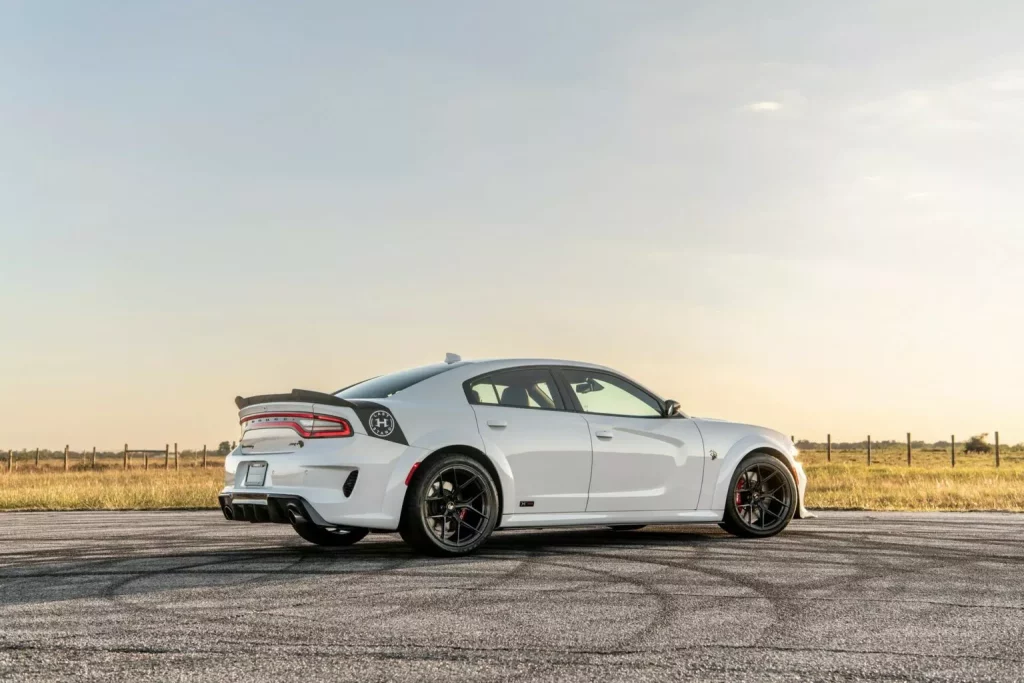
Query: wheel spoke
point(473, 499)
point(476, 530)
point(459, 489)
point(470, 507)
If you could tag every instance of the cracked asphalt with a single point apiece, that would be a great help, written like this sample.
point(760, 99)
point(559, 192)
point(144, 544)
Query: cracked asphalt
point(188, 596)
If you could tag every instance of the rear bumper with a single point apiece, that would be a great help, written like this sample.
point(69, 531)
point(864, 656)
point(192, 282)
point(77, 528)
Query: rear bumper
point(356, 482)
point(270, 508)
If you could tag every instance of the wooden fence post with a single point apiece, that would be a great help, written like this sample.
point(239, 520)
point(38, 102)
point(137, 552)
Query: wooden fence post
point(145, 460)
point(167, 456)
point(908, 449)
point(10, 460)
point(126, 456)
point(65, 458)
point(37, 457)
point(952, 450)
point(175, 457)
point(828, 450)
point(997, 449)
point(94, 457)
point(204, 456)
point(869, 450)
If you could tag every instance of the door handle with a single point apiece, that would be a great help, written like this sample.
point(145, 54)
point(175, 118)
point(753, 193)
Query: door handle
point(497, 424)
point(604, 434)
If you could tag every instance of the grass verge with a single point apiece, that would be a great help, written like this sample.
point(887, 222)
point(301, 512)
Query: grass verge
point(110, 489)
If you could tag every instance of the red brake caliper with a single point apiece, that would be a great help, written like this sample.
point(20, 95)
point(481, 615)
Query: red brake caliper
point(739, 491)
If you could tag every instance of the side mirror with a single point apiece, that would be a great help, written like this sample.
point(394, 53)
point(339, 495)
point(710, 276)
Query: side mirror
point(588, 386)
point(671, 408)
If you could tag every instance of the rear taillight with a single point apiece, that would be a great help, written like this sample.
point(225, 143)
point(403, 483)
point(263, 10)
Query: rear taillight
point(308, 425)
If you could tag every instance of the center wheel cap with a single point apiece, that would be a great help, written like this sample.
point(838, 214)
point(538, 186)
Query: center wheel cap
point(451, 505)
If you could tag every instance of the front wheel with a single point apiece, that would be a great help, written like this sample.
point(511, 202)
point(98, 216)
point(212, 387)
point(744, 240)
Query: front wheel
point(328, 537)
point(451, 507)
point(762, 498)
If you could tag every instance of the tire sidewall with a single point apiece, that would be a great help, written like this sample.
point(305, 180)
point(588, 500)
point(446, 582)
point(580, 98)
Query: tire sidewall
point(733, 522)
point(414, 528)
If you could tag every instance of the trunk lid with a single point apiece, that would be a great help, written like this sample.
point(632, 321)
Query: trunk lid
point(278, 424)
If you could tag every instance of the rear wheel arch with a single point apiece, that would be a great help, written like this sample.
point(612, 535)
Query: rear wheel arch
point(471, 452)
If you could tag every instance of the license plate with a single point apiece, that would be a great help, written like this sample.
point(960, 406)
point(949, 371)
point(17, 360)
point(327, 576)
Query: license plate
point(256, 474)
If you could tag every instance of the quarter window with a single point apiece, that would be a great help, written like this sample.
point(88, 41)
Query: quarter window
point(609, 395)
point(528, 388)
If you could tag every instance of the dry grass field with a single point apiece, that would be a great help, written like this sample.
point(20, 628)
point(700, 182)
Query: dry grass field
point(110, 489)
point(930, 484)
point(845, 483)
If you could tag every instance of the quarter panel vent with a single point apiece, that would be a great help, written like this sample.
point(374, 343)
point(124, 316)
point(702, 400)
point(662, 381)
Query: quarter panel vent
point(350, 483)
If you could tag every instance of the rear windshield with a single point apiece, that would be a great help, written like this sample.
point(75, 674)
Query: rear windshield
point(389, 385)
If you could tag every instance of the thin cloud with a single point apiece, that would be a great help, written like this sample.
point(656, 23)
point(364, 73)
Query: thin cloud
point(766, 105)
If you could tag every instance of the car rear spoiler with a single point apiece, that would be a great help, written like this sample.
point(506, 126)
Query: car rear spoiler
point(297, 396)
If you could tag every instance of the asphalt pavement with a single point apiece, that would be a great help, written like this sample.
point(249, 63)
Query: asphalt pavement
point(188, 596)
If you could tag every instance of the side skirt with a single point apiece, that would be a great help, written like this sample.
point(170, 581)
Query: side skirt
point(586, 518)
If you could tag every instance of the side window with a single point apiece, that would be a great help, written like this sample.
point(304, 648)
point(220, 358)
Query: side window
point(528, 388)
point(609, 395)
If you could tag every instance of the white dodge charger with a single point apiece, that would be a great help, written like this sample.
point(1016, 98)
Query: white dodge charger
point(448, 453)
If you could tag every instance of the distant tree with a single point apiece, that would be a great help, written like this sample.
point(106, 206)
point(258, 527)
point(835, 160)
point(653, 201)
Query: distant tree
point(224, 448)
point(977, 444)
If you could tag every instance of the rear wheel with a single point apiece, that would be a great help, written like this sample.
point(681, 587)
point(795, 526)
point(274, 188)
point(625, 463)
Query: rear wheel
point(762, 498)
point(451, 507)
point(328, 537)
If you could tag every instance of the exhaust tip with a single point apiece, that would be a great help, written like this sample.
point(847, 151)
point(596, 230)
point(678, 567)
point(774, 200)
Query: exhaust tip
point(295, 515)
point(228, 512)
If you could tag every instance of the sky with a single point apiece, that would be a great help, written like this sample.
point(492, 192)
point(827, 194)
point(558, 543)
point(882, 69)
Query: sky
point(807, 215)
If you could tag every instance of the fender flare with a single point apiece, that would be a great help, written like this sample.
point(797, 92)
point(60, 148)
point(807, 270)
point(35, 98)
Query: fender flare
point(754, 443)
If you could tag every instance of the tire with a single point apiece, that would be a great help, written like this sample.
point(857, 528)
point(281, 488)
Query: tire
point(451, 506)
point(762, 498)
point(627, 527)
point(325, 537)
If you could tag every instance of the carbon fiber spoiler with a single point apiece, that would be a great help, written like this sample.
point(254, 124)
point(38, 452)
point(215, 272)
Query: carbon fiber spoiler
point(297, 395)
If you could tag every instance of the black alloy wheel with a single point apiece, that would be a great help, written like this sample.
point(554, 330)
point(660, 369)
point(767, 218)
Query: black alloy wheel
point(762, 498)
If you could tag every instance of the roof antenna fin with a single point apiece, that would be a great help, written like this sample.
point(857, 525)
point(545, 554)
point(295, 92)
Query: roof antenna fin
point(450, 358)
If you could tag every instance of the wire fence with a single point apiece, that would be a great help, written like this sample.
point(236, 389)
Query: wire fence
point(868, 451)
point(166, 458)
point(974, 450)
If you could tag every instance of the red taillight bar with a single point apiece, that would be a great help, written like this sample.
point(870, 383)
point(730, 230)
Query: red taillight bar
point(340, 426)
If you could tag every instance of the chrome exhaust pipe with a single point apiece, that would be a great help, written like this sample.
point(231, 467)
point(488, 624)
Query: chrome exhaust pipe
point(295, 515)
point(228, 512)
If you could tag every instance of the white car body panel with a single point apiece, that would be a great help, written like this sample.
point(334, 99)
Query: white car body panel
point(644, 464)
point(666, 470)
point(547, 451)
